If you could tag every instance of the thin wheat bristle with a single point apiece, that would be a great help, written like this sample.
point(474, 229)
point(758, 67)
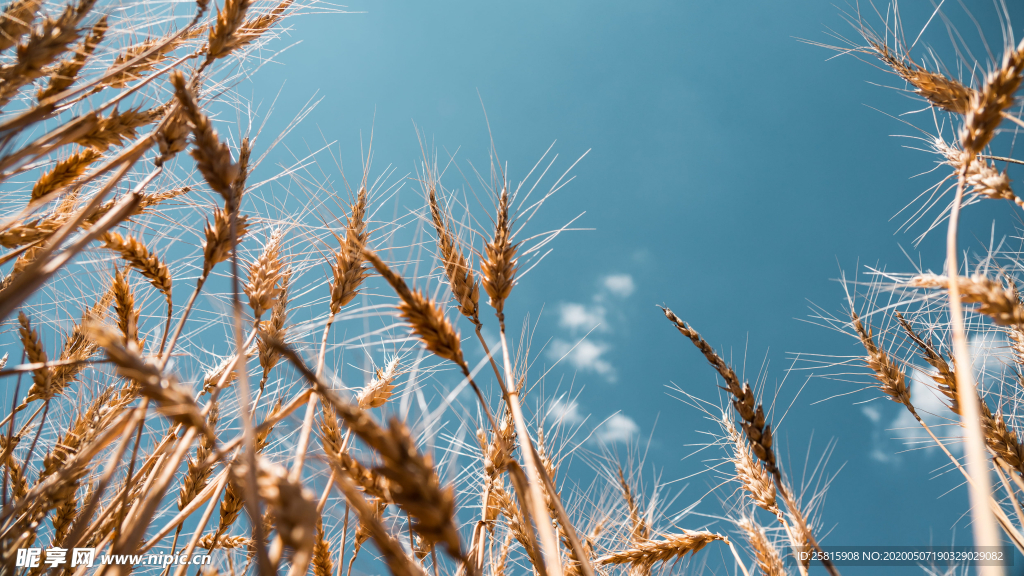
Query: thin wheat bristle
point(135, 253)
point(993, 298)
point(499, 265)
point(645, 555)
point(426, 319)
point(379, 390)
point(767, 556)
point(264, 276)
point(64, 173)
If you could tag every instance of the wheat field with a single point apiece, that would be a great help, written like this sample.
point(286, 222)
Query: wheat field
point(219, 364)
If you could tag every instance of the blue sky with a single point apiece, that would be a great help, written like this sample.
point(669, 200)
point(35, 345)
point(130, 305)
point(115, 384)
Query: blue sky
point(734, 172)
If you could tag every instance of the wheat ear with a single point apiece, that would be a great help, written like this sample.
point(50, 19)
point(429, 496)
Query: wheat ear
point(669, 547)
point(937, 89)
point(768, 559)
point(499, 264)
point(993, 299)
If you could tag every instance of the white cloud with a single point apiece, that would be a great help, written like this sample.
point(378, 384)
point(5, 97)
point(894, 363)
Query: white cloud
point(562, 412)
point(620, 285)
point(618, 428)
point(586, 356)
point(872, 412)
point(580, 317)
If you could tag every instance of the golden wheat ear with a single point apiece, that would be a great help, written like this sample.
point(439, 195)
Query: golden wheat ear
point(758, 432)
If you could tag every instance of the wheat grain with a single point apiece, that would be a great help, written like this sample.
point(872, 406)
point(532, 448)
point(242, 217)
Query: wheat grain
point(264, 275)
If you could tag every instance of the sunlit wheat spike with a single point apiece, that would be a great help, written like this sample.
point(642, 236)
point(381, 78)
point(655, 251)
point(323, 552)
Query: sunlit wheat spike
point(1000, 438)
point(465, 289)
point(19, 484)
point(751, 473)
point(64, 173)
point(347, 269)
point(118, 75)
point(274, 328)
point(988, 104)
point(224, 541)
point(372, 481)
point(639, 530)
point(141, 259)
point(937, 89)
point(264, 276)
point(379, 390)
point(213, 157)
point(426, 319)
point(217, 245)
point(172, 136)
point(35, 353)
point(292, 507)
point(263, 436)
point(225, 34)
point(16, 21)
point(891, 377)
point(197, 472)
point(944, 374)
point(993, 298)
point(119, 127)
point(983, 178)
point(330, 431)
point(499, 265)
point(124, 308)
point(518, 524)
point(255, 27)
point(66, 71)
point(668, 547)
point(767, 556)
point(322, 563)
point(758, 432)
